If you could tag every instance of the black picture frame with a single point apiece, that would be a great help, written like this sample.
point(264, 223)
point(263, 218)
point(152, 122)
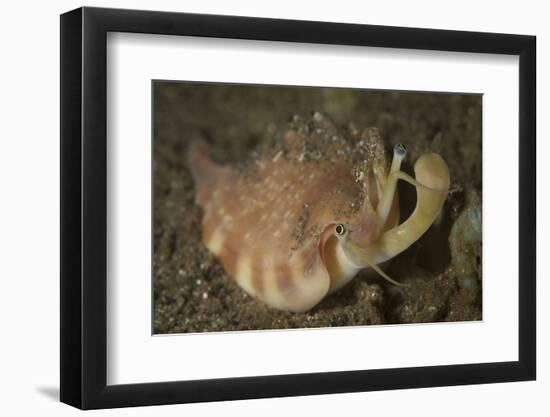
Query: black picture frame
point(84, 207)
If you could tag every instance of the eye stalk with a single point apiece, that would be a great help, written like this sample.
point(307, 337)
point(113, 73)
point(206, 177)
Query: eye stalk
point(340, 230)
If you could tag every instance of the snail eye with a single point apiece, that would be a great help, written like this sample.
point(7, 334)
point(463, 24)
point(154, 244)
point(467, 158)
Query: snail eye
point(400, 149)
point(340, 229)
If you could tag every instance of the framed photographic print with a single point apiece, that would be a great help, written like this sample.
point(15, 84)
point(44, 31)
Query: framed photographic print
point(334, 207)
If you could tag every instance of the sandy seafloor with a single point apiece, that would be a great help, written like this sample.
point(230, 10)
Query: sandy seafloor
point(192, 292)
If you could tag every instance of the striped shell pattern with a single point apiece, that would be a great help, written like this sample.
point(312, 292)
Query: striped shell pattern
point(272, 222)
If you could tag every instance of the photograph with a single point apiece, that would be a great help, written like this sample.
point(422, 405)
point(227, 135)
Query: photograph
point(292, 207)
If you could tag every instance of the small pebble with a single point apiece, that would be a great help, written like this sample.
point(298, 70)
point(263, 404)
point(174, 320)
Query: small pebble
point(318, 117)
point(468, 282)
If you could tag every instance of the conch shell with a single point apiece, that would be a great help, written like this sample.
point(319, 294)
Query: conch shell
point(291, 230)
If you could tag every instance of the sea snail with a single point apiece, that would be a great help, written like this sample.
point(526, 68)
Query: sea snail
point(284, 229)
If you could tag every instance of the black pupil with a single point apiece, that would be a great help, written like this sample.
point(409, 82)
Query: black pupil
point(340, 229)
